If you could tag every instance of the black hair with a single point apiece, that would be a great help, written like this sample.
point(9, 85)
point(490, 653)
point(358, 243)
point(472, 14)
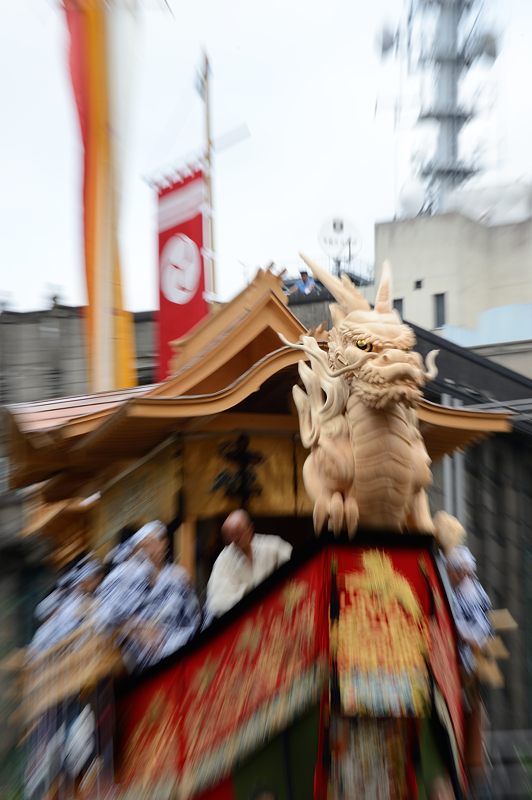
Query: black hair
point(126, 533)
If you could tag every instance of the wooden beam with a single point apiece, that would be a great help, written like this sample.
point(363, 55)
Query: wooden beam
point(462, 419)
point(186, 546)
point(253, 422)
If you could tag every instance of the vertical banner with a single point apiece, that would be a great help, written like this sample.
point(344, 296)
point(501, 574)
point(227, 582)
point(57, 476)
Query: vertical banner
point(182, 219)
point(101, 41)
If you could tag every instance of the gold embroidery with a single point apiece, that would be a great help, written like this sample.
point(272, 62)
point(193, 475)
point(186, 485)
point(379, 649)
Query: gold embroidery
point(382, 641)
point(383, 582)
point(150, 753)
point(254, 669)
point(250, 637)
point(205, 676)
point(293, 594)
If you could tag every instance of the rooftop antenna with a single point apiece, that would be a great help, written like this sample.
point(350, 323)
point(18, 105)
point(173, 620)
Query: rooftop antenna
point(447, 56)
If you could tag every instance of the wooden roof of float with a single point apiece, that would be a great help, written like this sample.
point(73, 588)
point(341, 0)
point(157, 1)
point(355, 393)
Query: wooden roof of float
point(229, 373)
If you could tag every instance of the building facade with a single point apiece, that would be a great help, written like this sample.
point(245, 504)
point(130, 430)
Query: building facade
point(468, 280)
point(42, 356)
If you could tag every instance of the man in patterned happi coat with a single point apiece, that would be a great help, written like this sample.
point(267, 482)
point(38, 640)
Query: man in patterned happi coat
point(471, 605)
point(153, 601)
point(67, 607)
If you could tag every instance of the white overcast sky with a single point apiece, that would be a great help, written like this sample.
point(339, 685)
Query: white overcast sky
point(303, 75)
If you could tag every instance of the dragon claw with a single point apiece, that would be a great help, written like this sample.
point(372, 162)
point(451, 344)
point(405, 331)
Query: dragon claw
point(320, 515)
point(351, 515)
point(336, 513)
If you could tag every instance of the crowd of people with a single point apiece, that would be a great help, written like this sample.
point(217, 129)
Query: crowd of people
point(151, 608)
point(147, 603)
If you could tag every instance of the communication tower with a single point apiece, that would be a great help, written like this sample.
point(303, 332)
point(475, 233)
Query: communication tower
point(444, 39)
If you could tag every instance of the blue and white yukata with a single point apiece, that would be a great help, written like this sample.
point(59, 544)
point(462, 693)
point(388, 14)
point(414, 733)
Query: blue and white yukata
point(471, 607)
point(65, 609)
point(471, 614)
point(134, 598)
point(171, 608)
point(63, 739)
point(121, 593)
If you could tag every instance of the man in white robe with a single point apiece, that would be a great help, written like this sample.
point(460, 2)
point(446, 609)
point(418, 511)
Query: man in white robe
point(246, 560)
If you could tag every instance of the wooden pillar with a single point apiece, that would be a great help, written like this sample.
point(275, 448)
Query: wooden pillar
point(186, 546)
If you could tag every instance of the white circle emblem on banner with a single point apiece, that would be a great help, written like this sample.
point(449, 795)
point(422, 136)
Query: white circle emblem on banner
point(180, 269)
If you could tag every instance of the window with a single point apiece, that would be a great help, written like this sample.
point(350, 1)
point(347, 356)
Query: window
point(418, 284)
point(398, 305)
point(439, 310)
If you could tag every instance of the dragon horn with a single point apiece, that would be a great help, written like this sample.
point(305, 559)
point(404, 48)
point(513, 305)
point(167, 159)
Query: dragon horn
point(383, 301)
point(344, 291)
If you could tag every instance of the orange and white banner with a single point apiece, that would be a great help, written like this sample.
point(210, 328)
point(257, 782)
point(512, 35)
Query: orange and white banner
point(101, 46)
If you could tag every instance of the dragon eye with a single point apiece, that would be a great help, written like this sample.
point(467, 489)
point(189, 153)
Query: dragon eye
point(362, 344)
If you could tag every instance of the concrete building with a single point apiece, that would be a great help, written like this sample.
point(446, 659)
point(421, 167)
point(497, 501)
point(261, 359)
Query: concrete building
point(469, 281)
point(42, 355)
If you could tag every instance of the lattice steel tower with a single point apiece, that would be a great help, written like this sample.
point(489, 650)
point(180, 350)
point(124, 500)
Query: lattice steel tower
point(447, 55)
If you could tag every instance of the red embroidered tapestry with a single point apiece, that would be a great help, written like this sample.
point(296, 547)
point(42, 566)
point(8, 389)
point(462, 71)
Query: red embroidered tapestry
point(373, 621)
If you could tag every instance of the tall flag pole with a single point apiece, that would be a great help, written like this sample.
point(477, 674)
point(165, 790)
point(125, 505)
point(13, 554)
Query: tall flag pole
point(186, 244)
point(100, 62)
point(204, 90)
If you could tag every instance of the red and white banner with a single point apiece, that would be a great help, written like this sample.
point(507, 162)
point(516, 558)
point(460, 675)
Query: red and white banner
point(183, 235)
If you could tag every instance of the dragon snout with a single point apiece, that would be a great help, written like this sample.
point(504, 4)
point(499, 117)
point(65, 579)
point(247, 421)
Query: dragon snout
point(399, 360)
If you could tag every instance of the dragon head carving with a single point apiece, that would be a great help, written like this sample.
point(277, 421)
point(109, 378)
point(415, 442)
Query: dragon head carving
point(372, 347)
point(368, 463)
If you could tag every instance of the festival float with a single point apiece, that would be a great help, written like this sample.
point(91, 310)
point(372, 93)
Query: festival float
point(339, 676)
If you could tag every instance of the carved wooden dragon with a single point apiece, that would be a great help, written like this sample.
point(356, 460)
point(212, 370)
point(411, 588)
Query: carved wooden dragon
point(368, 464)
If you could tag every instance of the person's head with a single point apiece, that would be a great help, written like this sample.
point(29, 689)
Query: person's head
point(238, 530)
point(152, 541)
point(127, 532)
point(304, 275)
point(460, 564)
